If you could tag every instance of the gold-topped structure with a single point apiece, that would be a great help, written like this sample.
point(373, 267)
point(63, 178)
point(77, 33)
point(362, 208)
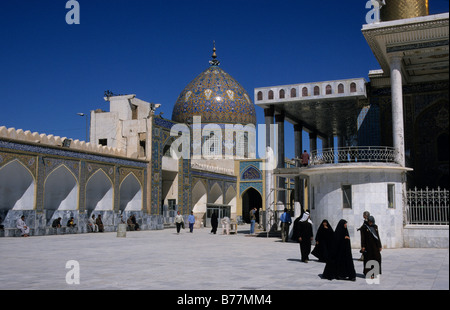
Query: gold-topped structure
point(402, 9)
point(214, 61)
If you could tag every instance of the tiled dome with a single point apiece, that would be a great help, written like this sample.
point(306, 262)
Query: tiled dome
point(215, 96)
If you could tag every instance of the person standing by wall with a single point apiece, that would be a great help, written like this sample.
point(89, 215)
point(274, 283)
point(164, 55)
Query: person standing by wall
point(305, 158)
point(366, 215)
point(252, 220)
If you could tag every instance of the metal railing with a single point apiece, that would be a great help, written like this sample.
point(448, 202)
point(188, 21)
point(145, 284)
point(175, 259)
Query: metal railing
point(427, 207)
point(352, 154)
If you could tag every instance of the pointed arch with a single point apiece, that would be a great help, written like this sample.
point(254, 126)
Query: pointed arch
point(130, 194)
point(215, 194)
point(17, 187)
point(199, 197)
point(99, 192)
point(61, 191)
point(251, 198)
point(230, 198)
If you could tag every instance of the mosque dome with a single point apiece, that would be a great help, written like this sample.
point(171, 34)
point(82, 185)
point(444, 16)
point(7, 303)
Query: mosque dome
point(215, 96)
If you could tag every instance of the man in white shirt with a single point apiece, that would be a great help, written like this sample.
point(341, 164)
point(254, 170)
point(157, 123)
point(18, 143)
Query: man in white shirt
point(23, 227)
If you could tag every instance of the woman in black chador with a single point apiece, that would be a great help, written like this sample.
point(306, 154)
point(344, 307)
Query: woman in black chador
point(324, 241)
point(214, 222)
point(371, 244)
point(340, 265)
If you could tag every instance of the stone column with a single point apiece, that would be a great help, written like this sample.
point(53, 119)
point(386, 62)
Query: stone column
point(298, 198)
point(269, 194)
point(279, 121)
point(397, 108)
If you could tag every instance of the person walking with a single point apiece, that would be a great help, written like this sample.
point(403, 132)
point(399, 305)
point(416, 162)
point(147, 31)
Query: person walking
point(191, 221)
point(214, 223)
point(340, 265)
point(179, 221)
point(324, 241)
point(371, 244)
point(304, 235)
point(286, 221)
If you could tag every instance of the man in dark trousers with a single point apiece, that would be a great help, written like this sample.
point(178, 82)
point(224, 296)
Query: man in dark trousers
point(303, 233)
point(286, 221)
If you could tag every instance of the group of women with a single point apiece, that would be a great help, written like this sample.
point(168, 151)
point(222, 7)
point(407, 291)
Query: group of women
point(333, 247)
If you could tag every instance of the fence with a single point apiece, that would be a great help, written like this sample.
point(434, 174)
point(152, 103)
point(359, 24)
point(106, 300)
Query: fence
point(427, 207)
point(353, 154)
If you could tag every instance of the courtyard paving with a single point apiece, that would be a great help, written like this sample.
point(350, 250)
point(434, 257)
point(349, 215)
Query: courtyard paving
point(165, 260)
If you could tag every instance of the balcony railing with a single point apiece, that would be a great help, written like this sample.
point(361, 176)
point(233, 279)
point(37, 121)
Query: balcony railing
point(352, 154)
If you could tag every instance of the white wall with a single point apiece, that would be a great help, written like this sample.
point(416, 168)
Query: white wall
point(369, 193)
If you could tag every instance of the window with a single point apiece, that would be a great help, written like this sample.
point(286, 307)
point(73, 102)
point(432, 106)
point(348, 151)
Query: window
point(347, 196)
point(316, 90)
point(270, 94)
point(293, 93)
point(304, 92)
point(391, 195)
point(282, 94)
point(142, 143)
point(172, 204)
point(103, 142)
point(353, 87)
point(260, 95)
point(242, 144)
point(211, 146)
point(340, 88)
point(134, 112)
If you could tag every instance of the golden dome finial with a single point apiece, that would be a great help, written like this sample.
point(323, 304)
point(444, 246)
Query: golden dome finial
point(214, 56)
point(214, 61)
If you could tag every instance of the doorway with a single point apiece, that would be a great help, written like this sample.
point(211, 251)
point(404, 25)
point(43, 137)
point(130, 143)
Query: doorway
point(251, 198)
point(221, 211)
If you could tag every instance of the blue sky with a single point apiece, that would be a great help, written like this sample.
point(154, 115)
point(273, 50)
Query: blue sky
point(50, 71)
